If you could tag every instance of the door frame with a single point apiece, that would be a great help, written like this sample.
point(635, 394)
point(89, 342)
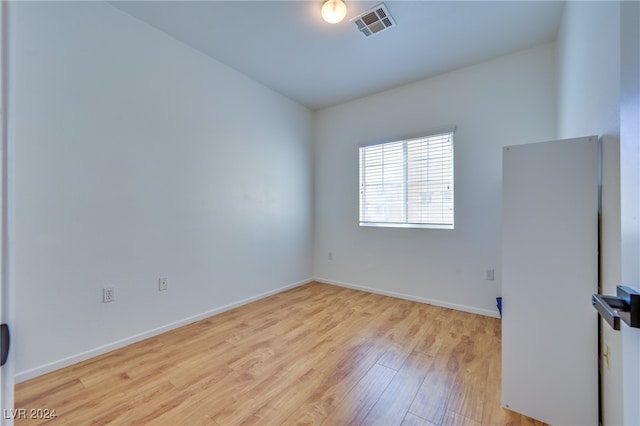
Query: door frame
point(7, 372)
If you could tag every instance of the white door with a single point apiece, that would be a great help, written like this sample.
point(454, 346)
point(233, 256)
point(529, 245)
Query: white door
point(6, 371)
point(550, 271)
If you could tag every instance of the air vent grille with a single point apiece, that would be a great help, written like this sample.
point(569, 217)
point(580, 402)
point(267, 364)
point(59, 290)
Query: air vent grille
point(374, 20)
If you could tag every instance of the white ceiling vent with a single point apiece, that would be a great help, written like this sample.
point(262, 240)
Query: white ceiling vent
point(374, 20)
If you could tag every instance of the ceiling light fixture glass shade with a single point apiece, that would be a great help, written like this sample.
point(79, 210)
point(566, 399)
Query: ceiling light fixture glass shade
point(334, 11)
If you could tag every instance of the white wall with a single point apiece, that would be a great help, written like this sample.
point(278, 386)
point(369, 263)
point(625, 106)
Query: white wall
point(589, 104)
point(589, 69)
point(506, 101)
point(630, 181)
point(137, 157)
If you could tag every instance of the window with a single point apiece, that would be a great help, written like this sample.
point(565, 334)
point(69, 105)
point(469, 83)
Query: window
point(408, 183)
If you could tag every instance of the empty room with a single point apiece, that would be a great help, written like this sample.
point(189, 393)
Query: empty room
point(320, 212)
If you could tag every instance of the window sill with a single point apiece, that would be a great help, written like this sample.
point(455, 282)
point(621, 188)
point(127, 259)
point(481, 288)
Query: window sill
point(405, 225)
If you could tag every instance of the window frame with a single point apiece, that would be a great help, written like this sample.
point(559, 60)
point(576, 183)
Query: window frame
point(406, 224)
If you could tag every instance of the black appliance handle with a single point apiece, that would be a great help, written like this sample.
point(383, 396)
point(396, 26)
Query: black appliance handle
point(5, 338)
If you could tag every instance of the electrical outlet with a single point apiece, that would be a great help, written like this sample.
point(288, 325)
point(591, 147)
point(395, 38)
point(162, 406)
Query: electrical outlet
point(330, 255)
point(163, 283)
point(108, 295)
point(489, 274)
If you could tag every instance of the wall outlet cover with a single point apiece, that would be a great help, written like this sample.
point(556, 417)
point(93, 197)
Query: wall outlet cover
point(108, 294)
point(489, 274)
point(163, 283)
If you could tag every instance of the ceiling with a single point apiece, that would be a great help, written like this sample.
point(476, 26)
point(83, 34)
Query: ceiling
point(286, 46)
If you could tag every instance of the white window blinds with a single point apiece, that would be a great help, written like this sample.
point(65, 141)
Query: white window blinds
point(408, 183)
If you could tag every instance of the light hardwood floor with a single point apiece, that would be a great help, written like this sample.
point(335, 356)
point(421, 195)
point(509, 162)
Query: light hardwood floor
point(315, 354)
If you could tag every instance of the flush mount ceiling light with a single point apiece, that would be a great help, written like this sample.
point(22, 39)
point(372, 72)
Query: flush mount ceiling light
point(334, 11)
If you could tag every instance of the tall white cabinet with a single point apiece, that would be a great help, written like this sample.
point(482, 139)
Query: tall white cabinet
point(550, 271)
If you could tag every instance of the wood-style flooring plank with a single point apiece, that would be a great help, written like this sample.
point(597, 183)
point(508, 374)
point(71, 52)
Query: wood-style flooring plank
point(316, 354)
point(395, 401)
point(431, 400)
point(353, 409)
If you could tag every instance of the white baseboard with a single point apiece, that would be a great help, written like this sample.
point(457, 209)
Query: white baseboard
point(412, 298)
point(74, 359)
